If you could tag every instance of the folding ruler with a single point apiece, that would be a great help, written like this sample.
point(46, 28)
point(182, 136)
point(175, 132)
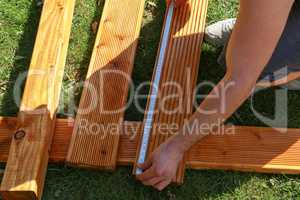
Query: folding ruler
point(154, 92)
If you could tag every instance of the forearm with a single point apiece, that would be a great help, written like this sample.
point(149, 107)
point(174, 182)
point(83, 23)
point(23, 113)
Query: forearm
point(212, 112)
point(257, 31)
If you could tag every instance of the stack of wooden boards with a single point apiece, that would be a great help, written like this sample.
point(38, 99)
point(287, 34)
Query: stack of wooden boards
point(26, 140)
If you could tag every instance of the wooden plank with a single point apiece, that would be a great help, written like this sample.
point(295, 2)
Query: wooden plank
point(106, 86)
point(29, 150)
point(249, 149)
point(255, 149)
point(175, 102)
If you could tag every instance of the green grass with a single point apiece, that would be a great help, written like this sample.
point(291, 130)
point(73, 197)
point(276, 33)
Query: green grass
point(18, 25)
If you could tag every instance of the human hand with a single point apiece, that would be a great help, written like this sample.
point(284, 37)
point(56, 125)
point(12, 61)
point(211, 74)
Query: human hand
point(177, 2)
point(161, 166)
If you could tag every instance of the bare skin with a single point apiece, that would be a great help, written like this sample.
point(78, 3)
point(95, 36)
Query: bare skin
point(259, 26)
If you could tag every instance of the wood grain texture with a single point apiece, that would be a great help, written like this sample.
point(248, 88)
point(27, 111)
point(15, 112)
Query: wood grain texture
point(29, 150)
point(175, 102)
point(94, 143)
point(249, 149)
point(255, 149)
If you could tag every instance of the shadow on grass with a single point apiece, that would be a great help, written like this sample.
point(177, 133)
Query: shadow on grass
point(20, 65)
point(146, 55)
point(65, 110)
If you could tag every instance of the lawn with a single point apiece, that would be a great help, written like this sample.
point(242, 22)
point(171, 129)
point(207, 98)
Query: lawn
point(18, 26)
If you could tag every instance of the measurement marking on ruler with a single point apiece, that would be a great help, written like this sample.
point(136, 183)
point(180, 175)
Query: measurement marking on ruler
point(154, 92)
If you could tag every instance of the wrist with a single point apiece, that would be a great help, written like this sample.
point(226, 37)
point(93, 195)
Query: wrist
point(177, 144)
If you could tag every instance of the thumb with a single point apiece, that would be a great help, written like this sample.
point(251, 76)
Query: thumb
point(147, 164)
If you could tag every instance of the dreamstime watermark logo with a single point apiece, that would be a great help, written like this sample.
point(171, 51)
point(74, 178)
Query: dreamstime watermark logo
point(105, 93)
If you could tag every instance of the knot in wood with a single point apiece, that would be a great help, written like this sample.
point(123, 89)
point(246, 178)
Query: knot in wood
point(20, 134)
